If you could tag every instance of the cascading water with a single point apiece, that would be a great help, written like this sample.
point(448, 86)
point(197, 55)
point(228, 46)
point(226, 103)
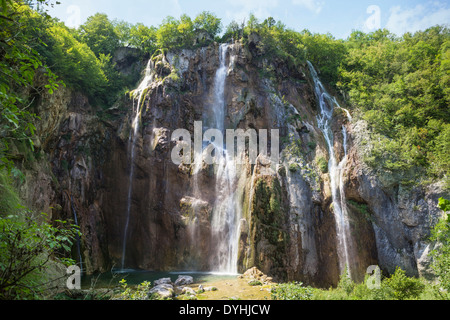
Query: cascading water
point(78, 237)
point(227, 208)
point(327, 103)
point(137, 110)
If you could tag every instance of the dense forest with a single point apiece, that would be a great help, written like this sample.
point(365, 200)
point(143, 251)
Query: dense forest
point(399, 84)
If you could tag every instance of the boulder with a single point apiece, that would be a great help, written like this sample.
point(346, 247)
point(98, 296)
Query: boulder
point(188, 291)
point(162, 281)
point(184, 280)
point(162, 291)
point(210, 288)
point(254, 275)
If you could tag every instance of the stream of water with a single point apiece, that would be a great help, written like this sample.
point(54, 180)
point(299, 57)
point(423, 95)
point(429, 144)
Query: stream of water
point(327, 103)
point(137, 110)
point(227, 209)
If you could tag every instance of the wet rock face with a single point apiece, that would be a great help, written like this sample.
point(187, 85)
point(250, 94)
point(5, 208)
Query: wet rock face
point(401, 216)
point(287, 228)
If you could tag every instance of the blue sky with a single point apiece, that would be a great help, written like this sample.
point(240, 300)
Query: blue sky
point(336, 17)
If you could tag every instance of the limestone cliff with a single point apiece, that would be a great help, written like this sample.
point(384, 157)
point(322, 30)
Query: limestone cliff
point(287, 227)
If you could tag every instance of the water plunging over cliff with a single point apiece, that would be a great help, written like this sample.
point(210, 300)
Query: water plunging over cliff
point(137, 110)
point(227, 209)
point(327, 103)
point(75, 216)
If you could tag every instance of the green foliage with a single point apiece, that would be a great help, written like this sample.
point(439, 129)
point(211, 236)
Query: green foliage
point(291, 291)
point(27, 243)
point(441, 254)
point(362, 209)
point(140, 292)
point(322, 163)
point(99, 33)
point(325, 52)
point(401, 287)
point(83, 57)
point(255, 282)
point(174, 34)
point(399, 85)
point(143, 37)
point(19, 62)
point(76, 62)
point(268, 222)
point(208, 22)
point(277, 41)
point(345, 282)
point(9, 199)
point(122, 29)
point(396, 287)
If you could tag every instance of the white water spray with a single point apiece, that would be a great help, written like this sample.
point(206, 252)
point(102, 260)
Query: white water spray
point(227, 208)
point(137, 111)
point(327, 103)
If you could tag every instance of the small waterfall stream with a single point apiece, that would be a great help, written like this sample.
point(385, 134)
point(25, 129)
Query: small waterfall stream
point(75, 216)
point(327, 103)
point(137, 110)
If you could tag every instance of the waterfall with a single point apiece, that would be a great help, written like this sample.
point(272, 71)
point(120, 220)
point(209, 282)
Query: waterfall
point(137, 110)
point(327, 103)
point(75, 217)
point(227, 209)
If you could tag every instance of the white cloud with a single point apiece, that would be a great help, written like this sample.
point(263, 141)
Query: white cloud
point(312, 5)
point(418, 18)
point(243, 8)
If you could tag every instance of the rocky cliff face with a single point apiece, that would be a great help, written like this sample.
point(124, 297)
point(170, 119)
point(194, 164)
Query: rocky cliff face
point(287, 228)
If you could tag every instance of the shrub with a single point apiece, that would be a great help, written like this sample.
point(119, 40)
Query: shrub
point(345, 282)
point(291, 291)
point(441, 255)
point(255, 282)
point(138, 293)
point(26, 247)
point(322, 164)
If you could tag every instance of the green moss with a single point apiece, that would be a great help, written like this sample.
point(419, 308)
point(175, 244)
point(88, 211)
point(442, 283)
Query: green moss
point(255, 283)
point(65, 165)
point(312, 145)
point(362, 209)
point(322, 164)
point(293, 167)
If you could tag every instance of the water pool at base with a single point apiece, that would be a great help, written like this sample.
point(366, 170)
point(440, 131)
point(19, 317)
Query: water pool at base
point(134, 277)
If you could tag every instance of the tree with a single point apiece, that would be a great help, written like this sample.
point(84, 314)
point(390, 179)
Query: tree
point(233, 31)
point(400, 287)
point(167, 35)
point(99, 34)
point(208, 22)
point(398, 85)
point(441, 254)
point(26, 245)
point(123, 31)
point(19, 62)
point(76, 62)
point(185, 28)
point(26, 248)
point(143, 37)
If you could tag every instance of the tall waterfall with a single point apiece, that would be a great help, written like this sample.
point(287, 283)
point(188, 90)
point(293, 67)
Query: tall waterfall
point(78, 236)
point(327, 103)
point(227, 209)
point(137, 110)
